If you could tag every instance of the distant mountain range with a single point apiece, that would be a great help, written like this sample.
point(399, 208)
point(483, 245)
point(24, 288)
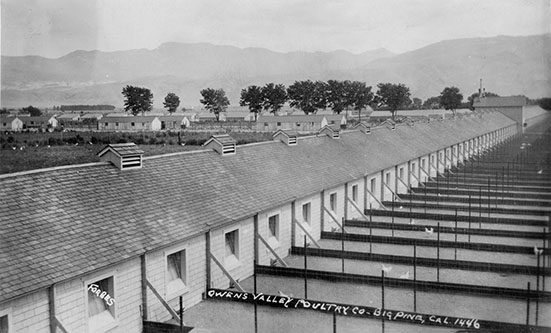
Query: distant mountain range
point(507, 65)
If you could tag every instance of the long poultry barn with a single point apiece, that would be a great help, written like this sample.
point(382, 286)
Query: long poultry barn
point(120, 245)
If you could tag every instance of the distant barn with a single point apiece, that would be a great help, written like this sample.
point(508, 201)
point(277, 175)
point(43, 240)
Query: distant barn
point(11, 124)
point(67, 118)
point(514, 107)
point(300, 123)
point(40, 122)
point(137, 123)
point(175, 122)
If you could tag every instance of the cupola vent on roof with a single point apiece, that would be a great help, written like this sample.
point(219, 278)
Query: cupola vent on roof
point(364, 128)
point(330, 132)
point(123, 155)
point(390, 124)
point(290, 138)
point(222, 143)
point(409, 121)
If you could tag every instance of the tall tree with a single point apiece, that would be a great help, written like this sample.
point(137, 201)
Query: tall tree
point(417, 103)
point(393, 95)
point(450, 99)
point(215, 101)
point(253, 98)
point(337, 95)
point(359, 96)
point(432, 103)
point(320, 95)
point(32, 111)
point(172, 102)
point(274, 96)
point(302, 96)
point(137, 99)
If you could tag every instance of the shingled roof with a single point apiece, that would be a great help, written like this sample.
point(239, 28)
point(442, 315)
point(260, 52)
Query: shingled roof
point(61, 223)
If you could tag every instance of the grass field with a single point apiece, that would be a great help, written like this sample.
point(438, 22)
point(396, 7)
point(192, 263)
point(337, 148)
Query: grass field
point(29, 151)
point(31, 158)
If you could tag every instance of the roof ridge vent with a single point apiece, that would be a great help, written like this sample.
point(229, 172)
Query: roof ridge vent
point(290, 138)
point(409, 121)
point(330, 132)
point(390, 124)
point(123, 155)
point(364, 128)
point(224, 144)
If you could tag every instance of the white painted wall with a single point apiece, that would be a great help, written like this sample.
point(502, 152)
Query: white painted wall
point(244, 267)
point(351, 211)
point(29, 313)
point(314, 227)
point(338, 212)
point(282, 243)
point(376, 191)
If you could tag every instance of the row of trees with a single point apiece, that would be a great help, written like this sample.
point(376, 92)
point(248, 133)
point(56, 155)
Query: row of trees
point(309, 96)
point(339, 96)
point(306, 95)
point(271, 97)
point(31, 111)
point(140, 100)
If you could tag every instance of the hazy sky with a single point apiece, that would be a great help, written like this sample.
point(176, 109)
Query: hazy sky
point(53, 28)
